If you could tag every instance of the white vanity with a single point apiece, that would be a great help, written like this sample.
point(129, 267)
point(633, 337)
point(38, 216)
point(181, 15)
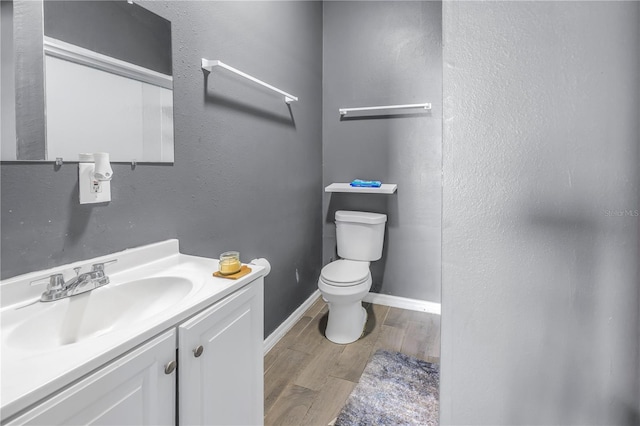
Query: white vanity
point(164, 342)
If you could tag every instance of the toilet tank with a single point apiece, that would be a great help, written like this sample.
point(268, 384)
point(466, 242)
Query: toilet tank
point(360, 235)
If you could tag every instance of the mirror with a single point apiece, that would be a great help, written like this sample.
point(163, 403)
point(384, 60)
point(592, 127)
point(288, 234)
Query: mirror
point(85, 76)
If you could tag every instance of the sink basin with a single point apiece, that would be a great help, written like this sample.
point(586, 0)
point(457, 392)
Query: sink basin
point(106, 309)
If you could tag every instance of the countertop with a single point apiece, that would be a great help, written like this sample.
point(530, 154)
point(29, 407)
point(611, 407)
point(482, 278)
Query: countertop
point(29, 376)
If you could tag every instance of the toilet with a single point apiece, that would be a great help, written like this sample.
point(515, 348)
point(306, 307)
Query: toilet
point(344, 282)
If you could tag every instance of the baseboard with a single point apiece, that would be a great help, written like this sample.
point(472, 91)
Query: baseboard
point(378, 299)
point(403, 303)
point(279, 332)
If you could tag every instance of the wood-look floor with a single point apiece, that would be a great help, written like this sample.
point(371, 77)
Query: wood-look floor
point(308, 378)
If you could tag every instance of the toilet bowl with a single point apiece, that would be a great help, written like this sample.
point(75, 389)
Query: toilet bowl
point(345, 282)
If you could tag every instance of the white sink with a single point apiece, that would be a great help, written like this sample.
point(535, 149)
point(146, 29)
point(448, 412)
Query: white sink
point(48, 325)
point(47, 345)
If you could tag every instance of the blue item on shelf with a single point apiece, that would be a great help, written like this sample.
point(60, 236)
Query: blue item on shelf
point(366, 183)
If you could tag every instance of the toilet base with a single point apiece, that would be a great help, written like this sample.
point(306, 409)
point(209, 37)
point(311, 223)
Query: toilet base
point(347, 317)
point(346, 322)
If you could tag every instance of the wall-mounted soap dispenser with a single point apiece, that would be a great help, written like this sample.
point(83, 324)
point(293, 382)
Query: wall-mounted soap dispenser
point(94, 174)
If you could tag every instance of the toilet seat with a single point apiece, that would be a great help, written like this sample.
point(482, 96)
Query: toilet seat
point(345, 273)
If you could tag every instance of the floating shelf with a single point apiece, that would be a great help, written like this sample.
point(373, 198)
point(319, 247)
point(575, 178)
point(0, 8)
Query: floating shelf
point(386, 188)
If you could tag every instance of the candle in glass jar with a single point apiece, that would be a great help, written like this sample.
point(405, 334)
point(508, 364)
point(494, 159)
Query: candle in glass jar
point(229, 263)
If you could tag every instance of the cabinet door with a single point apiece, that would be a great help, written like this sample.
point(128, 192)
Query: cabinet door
point(222, 384)
point(132, 390)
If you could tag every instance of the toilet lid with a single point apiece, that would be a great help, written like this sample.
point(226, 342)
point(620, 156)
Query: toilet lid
point(345, 273)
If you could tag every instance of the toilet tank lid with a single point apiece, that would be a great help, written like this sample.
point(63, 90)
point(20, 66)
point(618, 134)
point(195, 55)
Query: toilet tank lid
point(360, 217)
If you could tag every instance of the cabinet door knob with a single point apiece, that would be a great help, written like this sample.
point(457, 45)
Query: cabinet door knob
point(168, 369)
point(198, 351)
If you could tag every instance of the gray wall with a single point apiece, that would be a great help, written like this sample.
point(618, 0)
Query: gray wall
point(29, 81)
point(540, 261)
point(384, 53)
point(120, 30)
point(247, 172)
point(7, 81)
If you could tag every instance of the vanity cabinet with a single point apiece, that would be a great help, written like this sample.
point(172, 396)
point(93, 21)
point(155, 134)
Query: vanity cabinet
point(133, 390)
point(218, 379)
point(221, 362)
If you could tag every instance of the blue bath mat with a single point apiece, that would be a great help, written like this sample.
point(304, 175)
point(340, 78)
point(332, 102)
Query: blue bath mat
point(394, 389)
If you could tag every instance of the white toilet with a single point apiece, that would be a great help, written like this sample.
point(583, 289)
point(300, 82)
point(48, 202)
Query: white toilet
point(344, 282)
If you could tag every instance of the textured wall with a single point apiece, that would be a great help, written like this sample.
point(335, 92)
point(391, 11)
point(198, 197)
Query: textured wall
point(29, 83)
point(385, 53)
point(7, 81)
point(117, 29)
point(247, 172)
point(540, 213)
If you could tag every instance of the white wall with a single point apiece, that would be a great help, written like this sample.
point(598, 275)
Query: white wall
point(540, 317)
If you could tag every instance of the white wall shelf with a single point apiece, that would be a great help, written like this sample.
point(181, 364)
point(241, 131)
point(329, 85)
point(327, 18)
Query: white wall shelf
point(386, 188)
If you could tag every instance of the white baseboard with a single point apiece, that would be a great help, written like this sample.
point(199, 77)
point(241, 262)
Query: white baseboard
point(279, 332)
point(403, 303)
point(378, 299)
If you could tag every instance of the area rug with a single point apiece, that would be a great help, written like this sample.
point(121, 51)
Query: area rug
point(394, 389)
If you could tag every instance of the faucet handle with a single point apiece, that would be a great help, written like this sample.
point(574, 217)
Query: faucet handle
point(54, 289)
point(55, 282)
point(40, 281)
point(100, 266)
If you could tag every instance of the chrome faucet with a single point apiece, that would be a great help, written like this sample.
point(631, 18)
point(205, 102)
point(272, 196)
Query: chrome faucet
point(59, 289)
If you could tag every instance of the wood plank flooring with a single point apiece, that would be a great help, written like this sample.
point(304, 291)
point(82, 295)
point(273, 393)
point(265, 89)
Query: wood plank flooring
point(308, 378)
